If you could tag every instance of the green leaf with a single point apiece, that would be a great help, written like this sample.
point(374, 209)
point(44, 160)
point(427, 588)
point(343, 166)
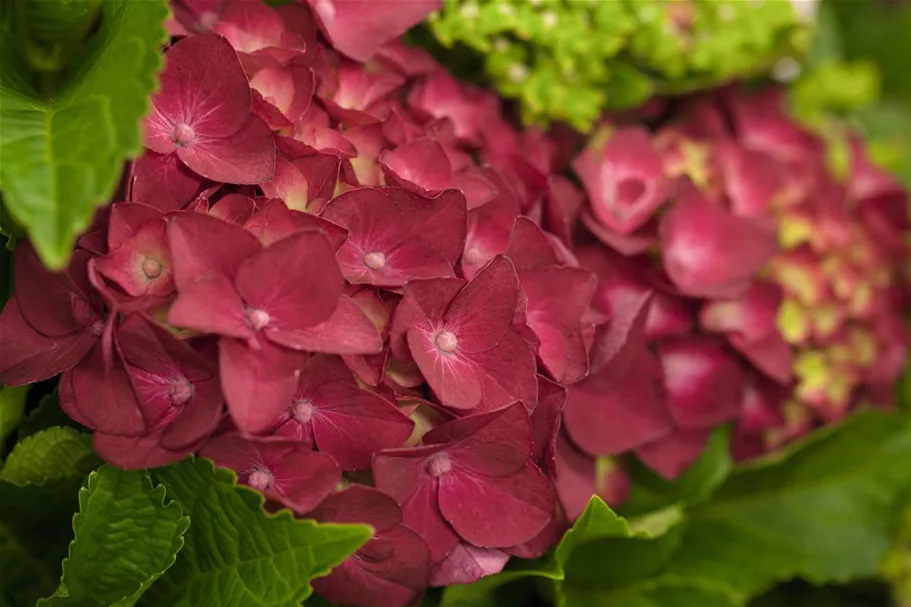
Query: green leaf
point(236, 554)
point(651, 491)
point(62, 155)
point(126, 537)
point(46, 415)
point(663, 593)
point(12, 404)
point(51, 454)
point(36, 524)
point(602, 554)
point(822, 510)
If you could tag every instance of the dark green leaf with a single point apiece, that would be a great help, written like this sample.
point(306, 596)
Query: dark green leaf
point(51, 454)
point(236, 554)
point(36, 524)
point(62, 155)
point(46, 415)
point(822, 510)
point(126, 537)
point(12, 403)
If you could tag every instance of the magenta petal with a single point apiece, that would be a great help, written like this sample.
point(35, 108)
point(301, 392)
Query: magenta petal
point(489, 229)
point(498, 443)
point(703, 381)
point(529, 248)
point(234, 208)
point(289, 184)
point(752, 316)
point(771, 354)
point(258, 383)
point(204, 87)
point(103, 395)
point(506, 373)
point(483, 311)
point(351, 424)
point(54, 303)
point(672, 455)
point(423, 305)
point(419, 165)
point(295, 281)
point(497, 512)
point(451, 376)
point(135, 452)
point(390, 570)
point(466, 564)
point(247, 157)
point(576, 481)
point(545, 420)
point(626, 244)
point(358, 28)
point(561, 207)
point(197, 421)
point(163, 181)
point(210, 306)
point(304, 478)
point(708, 252)
point(142, 266)
point(347, 331)
point(272, 222)
point(28, 356)
point(623, 178)
point(288, 88)
point(203, 246)
point(359, 504)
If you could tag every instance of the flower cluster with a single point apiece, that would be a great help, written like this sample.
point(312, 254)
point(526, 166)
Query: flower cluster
point(776, 285)
point(345, 275)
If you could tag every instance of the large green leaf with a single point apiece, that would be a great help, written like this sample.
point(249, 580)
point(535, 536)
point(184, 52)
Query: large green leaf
point(61, 155)
point(236, 554)
point(126, 537)
point(36, 524)
point(824, 510)
point(603, 555)
point(50, 454)
point(12, 404)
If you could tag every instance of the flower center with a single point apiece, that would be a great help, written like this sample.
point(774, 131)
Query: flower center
point(151, 268)
point(180, 391)
point(260, 479)
point(302, 410)
point(375, 260)
point(439, 465)
point(257, 319)
point(446, 342)
point(184, 135)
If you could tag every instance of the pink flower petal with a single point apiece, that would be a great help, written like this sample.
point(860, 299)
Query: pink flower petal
point(248, 157)
point(708, 252)
point(211, 306)
point(257, 383)
point(135, 452)
point(234, 208)
point(466, 564)
point(204, 88)
point(482, 312)
point(703, 381)
point(289, 184)
point(450, 375)
point(672, 455)
point(347, 331)
point(752, 316)
point(500, 512)
point(204, 246)
point(489, 228)
point(419, 165)
point(506, 373)
point(358, 28)
point(576, 480)
point(163, 181)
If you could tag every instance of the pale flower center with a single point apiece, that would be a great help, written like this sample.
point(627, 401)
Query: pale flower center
point(180, 391)
point(439, 465)
point(302, 410)
point(260, 479)
point(151, 268)
point(375, 260)
point(257, 319)
point(184, 135)
point(446, 341)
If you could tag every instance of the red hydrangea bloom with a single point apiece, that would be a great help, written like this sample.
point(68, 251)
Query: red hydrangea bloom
point(462, 337)
point(391, 569)
point(286, 471)
point(202, 114)
point(52, 321)
point(396, 235)
point(330, 411)
point(472, 481)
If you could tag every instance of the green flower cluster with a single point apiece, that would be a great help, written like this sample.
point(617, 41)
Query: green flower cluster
point(570, 59)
